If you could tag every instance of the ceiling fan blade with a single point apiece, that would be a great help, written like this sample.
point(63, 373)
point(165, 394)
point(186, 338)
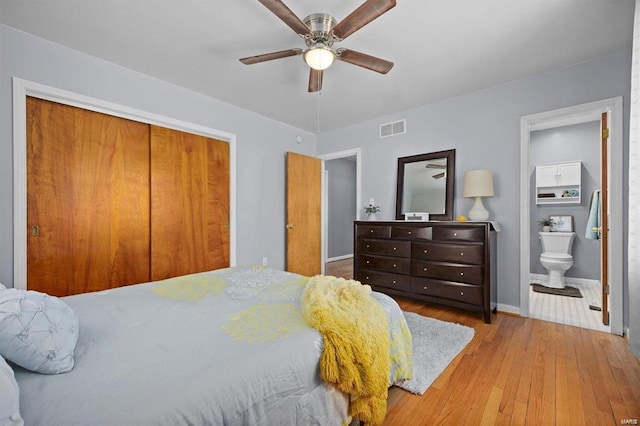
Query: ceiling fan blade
point(438, 176)
point(270, 56)
point(435, 166)
point(363, 60)
point(315, 80)
point(286, 15)
point(367, 12)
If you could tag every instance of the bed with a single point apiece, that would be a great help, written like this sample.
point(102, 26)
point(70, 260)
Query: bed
point(229, 346)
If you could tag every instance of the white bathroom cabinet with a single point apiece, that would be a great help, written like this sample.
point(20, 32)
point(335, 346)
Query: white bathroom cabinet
point(559, 183)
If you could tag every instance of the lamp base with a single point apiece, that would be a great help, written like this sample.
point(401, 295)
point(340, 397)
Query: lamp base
point(478, 212)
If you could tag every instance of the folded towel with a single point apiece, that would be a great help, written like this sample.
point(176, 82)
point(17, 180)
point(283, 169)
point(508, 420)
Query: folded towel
point(594, 217)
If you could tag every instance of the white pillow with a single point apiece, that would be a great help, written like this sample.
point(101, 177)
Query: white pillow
point(37, 331)
point(10, 401)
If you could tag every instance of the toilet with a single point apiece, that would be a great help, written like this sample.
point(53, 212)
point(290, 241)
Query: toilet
point(556, 255)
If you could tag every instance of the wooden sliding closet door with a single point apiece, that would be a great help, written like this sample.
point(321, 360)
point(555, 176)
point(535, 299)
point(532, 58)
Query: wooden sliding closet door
point(189, 203)
point(87, 200)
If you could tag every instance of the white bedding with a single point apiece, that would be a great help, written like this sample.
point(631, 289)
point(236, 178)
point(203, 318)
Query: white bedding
point(223, 347)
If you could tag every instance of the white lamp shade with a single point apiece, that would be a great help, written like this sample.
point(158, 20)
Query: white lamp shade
point(478, 183)
point(319, 57)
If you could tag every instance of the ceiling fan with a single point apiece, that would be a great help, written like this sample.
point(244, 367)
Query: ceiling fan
point(320, 31)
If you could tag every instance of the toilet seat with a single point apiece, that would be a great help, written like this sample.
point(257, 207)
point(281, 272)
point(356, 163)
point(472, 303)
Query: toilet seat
point(555, 256)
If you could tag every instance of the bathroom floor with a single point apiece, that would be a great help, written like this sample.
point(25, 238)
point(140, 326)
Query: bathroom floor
point(569, 310)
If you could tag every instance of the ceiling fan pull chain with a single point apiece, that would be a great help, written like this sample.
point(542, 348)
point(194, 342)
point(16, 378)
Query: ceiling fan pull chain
point(318, 127)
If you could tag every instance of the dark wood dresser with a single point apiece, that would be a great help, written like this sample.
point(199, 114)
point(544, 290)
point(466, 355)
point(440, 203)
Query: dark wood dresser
point(450, 263)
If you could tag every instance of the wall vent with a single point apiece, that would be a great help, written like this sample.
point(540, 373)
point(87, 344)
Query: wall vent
point(394, 128)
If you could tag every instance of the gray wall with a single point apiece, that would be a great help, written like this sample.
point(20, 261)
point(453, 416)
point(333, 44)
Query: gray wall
point(580, 142)
point(484, 128)
point(261, 142)
point(341, 206)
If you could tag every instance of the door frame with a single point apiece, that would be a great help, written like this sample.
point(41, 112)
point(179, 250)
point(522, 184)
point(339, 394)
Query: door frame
point(357, 152)
point(562, 117)
point(22, 89)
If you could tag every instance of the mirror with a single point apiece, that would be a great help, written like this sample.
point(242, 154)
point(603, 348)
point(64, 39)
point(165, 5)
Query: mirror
point(426, 183)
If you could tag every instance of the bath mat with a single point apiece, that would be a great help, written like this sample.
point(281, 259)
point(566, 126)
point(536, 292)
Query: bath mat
point(566, 291)
point(435, 344)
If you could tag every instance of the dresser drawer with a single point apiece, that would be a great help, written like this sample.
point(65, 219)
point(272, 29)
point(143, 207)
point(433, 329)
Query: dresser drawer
point(457, 233)
point(383, 279)
point(374, 231)
point(386, 247)
point(470, 274)
point(383, 263)
point(412, 233)
point(459, 253)
point(460, 292)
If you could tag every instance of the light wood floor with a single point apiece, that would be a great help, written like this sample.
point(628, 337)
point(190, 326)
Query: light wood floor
point(523, 371)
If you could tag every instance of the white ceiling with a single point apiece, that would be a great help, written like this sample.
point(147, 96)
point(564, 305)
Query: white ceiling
point(441, 48)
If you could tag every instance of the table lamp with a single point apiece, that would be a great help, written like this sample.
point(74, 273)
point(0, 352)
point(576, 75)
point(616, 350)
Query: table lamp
point(478, 184)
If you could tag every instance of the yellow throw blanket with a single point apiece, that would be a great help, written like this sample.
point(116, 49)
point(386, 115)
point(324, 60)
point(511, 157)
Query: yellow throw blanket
point(356, 342)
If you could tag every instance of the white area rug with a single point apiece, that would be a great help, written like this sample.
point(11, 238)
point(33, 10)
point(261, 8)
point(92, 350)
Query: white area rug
point(435, 344)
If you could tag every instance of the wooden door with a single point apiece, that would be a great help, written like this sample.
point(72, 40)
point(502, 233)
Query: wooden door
point(604, 216)
point(189, 203)
point(303, 240)
point(87, 200)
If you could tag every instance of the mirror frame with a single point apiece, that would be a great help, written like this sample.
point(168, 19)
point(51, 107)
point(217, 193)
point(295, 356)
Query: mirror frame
point(450, 155)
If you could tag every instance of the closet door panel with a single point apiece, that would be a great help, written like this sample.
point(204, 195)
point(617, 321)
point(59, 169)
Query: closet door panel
point(87, 200)
point(218, 203)
point(189, 207)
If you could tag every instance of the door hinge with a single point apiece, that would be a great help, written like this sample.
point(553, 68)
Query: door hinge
point(607, 289)
point(605, 133)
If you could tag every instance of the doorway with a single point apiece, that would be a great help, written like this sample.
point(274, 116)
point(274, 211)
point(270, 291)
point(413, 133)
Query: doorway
point(556, 119)
point(564, 159)
point(340, 205)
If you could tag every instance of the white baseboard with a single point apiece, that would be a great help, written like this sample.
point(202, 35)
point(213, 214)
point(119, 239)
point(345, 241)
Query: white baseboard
point(346, 256)
point(544, 278)
point(510, 309)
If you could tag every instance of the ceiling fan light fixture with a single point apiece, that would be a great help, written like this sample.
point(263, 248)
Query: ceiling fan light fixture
point(319, 57)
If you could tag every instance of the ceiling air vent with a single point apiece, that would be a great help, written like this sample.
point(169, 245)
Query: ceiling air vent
point(392, 129)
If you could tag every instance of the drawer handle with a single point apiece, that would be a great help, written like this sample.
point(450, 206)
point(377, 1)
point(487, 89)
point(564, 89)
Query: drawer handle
point(462, 293)
point(394, 281)
point(366, 278)
point(368, 261)
point(455, 234)
point(394, 249)
point(461, 254)
point(368, 246)
point(425, 251)
point(425, 269)
point(371, 230)
point(462, 274)
point(409, 232)
point(394, 265)
point(425, 287)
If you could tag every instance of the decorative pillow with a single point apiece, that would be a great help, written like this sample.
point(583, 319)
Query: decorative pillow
point(10, 401)
point(37, 331)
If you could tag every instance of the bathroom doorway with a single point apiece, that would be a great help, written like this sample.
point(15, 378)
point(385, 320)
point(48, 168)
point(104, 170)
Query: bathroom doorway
point(574, 134)
point(567, 158)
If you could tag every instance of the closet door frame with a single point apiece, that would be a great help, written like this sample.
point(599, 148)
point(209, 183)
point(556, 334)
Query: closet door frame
point(22, 89)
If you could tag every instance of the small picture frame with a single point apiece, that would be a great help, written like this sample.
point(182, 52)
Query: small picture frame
point(562, 223)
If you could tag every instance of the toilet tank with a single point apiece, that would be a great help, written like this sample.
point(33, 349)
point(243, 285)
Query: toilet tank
point(557, 242)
